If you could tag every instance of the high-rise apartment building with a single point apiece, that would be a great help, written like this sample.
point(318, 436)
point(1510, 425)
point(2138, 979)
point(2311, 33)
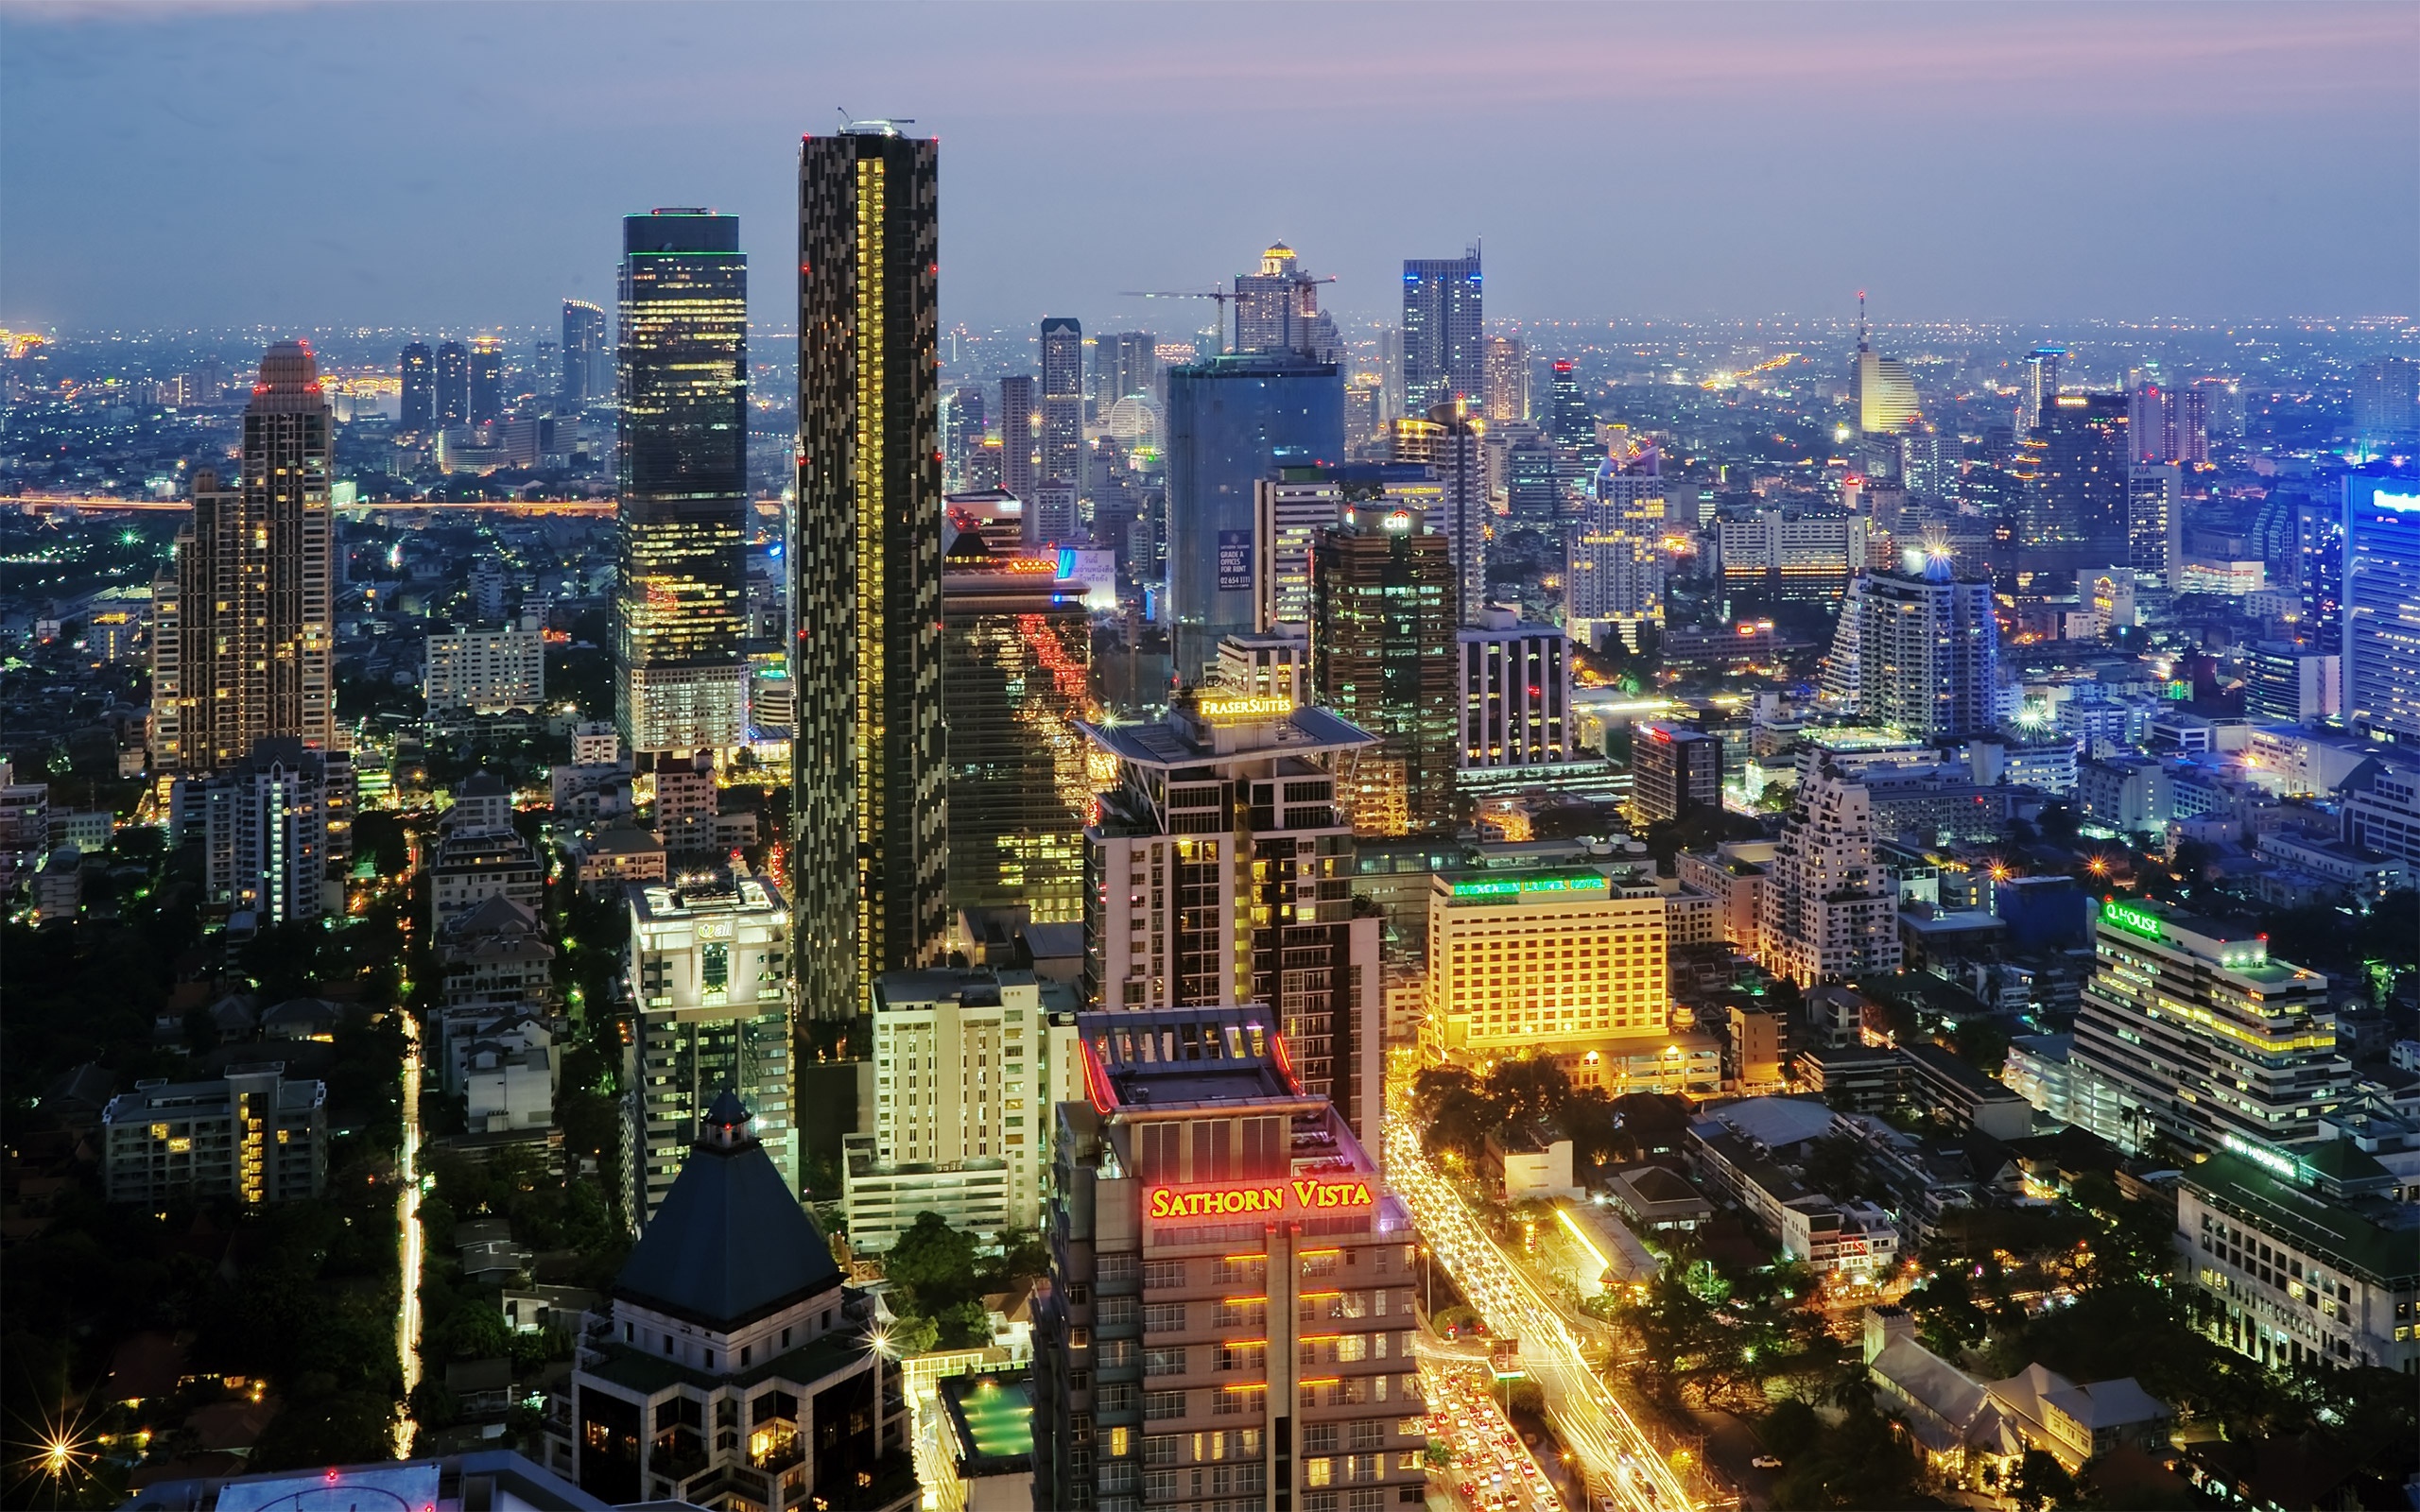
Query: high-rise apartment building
point(1804, 556)
point(1230, 1321)
point(1125, 363)
point(1508, 380)
point(2381, 617)
point(1515, 692)
point(1294, 506)
point(1926, 649)
point(1016, 666)
point(587, 355)
point(962, 432)
point(452, 384)
point(963, 1088)
point(2190, 1032)
point(707, 968)
point(2386, 403)
point(681, 601)
point(487, 379)
point(1830, 911)
point(419, 373)
point(267, 842)
point(1445, 352)
point(486, 669)
point(1220, 871)
point(1615, 556)
point(1020, 417)
point(1384, 611)
point(1063, 402)
point(870, 780)
point(243, 647)
point(1233, 421)
point(1278, 310)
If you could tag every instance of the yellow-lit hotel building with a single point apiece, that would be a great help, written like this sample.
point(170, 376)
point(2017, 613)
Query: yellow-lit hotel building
point(1566, 962)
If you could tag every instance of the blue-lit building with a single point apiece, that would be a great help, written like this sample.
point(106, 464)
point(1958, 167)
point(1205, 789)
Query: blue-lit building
point(1231, 421)
point(2382, 587)
point(1445, 344)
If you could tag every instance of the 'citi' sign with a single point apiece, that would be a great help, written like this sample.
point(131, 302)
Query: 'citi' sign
point(1274, 1198)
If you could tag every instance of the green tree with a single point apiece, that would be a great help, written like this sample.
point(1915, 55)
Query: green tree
point(2040, 1482)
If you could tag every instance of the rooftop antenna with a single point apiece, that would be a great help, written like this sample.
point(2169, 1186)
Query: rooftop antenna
point(1861, 319)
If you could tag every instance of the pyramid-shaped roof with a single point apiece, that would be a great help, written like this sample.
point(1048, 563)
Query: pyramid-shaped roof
point(730, 1244)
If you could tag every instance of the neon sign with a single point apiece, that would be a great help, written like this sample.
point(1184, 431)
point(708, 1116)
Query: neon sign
point(1514, 888)
point(2131, 920)
point(1301, 1194)
point(1223, 709)
point(2260, 1155)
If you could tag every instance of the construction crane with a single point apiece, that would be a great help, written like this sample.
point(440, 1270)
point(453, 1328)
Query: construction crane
point(1222, 296)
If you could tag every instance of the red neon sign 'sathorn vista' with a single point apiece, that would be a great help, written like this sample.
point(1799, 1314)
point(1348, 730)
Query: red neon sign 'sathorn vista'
point(1278, 1199)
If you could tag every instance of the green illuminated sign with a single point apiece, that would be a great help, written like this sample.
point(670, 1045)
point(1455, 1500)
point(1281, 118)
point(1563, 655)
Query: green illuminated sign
point(1522, 887)
point(2131, 920)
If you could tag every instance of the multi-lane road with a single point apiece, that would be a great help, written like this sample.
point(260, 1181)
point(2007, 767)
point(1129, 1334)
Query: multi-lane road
point(1621, 1461)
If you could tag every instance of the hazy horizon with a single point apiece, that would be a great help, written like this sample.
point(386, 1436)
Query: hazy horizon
point(446, 168)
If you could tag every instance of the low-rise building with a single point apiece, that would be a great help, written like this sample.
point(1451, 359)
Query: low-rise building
point(250, 1134)
point(2036, 1070)
point(1945, 1085)
point(606, 861)
point(1651, 1197)
point(474, 864)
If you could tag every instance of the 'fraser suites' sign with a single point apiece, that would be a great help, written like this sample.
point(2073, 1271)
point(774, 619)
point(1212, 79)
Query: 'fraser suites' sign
point(1274, 1198)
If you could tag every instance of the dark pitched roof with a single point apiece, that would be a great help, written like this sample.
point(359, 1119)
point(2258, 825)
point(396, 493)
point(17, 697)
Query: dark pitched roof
point(730, 1244)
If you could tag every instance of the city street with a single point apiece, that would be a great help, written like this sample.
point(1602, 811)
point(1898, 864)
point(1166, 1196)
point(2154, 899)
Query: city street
point(407, 1172)
point(1622, 1462)
point(1493, 1470)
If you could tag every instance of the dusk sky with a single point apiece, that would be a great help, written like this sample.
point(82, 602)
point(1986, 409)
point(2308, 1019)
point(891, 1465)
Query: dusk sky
point(452, 166)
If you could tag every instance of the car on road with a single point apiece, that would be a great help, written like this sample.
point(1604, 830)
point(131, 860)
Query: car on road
point(1767, 1462)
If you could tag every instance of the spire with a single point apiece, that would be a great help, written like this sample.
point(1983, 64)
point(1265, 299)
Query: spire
point(725, 1125)
point(1861, 319)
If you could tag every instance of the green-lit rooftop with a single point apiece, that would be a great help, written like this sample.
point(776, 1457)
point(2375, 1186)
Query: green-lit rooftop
point(992, 1418)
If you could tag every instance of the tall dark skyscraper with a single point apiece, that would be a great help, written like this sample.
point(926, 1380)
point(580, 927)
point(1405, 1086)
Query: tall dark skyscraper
point(1445, 352)
point(242, 637)
point(871, 862)
point(487, 379)
point(1231, 420)
point(586, 372)
point(1017, 410)
point(1063, 400)
point(420, 389)
point(681, 682)
point(452, 384)
point(1385, 657)
point(2076, 463)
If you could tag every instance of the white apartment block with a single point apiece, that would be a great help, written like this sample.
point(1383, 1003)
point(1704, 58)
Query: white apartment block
point(1829, 909)
point(487, 669)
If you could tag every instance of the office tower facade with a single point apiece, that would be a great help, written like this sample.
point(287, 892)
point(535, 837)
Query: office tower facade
point(2381, 611)
point(962, 1092)
point(1234, 420)
point(1675, 771)
point(419, 373)
point(1570, 423)
point(1515, 708)
point(1445, 350)
point(1545, 960)
point(1384, 611)
point(1292, 507)
point(1063, 402)
point(1829, 910)
point(2155, 523)
point(2189, 1031)
point(243, 651)
point(1887, 403)
point(1230, 1318)
point(1508, 380)
point(1220, 871)
point(452, 384)
point(1803, 555)
point(963, 431)
point(681, 458)
point(2075, 465)
point(1125, 363)
point(870, 783)
point(587, 355)
point(1614, 560)
point(487, 379)
point(1016, 668)
point(2386, 404)
point(2040, 387)
point(1278, 310)
point(708, 967)
point(1020, 413)
point(1928, 650)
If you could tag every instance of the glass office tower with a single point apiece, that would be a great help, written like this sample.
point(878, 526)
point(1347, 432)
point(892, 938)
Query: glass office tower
point(1444, 350)
point(1229, 420)
point(2382, 577)
point(870, 795)
point(681, 601)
